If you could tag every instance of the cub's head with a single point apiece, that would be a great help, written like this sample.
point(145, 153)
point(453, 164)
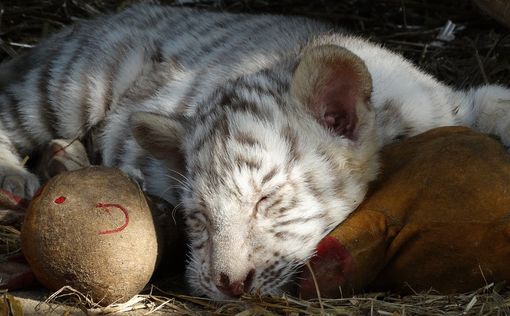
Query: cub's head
point(273, 162)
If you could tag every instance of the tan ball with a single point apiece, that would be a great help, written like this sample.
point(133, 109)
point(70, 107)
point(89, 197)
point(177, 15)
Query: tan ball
point(93, 230)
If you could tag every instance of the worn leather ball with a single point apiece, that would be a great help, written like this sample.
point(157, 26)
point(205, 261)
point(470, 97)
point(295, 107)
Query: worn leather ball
point(93, 230)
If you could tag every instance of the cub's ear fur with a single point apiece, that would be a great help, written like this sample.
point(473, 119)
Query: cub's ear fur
point(158, 134)
point(335, 85)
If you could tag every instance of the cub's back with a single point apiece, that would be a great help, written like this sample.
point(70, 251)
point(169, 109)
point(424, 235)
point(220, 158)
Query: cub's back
point(143, 57)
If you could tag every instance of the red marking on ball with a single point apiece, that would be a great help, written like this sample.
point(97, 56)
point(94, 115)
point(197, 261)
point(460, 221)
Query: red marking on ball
point(60, 200)
point(105, 207)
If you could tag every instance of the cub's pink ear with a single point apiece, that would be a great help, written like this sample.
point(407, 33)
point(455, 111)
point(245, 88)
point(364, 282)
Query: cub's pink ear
point(158, 134)
point(335, 85)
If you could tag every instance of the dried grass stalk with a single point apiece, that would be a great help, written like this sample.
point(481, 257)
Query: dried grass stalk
point(9, 242)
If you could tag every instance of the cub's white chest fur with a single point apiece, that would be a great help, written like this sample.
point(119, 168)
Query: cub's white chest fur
point(265, 129)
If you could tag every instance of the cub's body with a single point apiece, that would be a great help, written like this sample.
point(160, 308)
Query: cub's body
point(244, 119)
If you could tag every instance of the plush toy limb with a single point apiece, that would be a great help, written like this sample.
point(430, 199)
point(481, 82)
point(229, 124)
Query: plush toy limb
point(349, 257)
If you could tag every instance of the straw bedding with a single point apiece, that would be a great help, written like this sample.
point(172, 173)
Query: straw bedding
point(453, 40)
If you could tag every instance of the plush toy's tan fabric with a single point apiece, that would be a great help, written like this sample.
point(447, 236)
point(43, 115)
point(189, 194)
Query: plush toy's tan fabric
point(497, 9)
point(438, 217)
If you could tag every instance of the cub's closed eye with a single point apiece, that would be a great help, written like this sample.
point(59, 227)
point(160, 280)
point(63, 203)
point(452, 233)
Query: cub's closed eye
point(261, 201)
point(265, 197)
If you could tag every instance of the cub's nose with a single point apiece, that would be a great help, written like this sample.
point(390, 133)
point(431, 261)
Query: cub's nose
point(235, 288)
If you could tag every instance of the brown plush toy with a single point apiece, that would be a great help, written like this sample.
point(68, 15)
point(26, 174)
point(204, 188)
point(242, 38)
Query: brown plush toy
point(437, 218)
point(497, 9)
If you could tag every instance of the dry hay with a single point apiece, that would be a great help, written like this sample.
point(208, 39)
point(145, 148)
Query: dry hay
point(477, 53)
point(486, 301)
point(9, 242)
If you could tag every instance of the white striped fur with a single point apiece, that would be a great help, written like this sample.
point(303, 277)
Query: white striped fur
point(229, 135)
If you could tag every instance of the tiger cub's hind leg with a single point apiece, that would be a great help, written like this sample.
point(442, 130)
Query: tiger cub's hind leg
point(58, 156)
point(14, 178)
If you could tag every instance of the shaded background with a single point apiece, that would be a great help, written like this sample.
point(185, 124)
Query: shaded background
point(478, 53)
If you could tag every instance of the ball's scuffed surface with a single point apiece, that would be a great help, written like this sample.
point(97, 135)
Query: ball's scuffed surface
point(93, 230)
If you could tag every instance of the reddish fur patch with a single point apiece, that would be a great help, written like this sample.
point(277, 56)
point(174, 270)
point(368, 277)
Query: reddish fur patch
point(331, 265)
point(14, 199)
point(57, 150)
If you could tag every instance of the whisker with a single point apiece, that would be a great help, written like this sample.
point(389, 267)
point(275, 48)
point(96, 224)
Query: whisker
point(180, 174)
point(175, 210)
point(183, 178)
point(179, 187)
point(181, 182)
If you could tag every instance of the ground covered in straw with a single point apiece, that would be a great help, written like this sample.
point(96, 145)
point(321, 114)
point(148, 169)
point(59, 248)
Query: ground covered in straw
point(450, 39)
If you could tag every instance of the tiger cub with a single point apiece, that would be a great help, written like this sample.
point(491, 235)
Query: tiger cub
point(265, 129)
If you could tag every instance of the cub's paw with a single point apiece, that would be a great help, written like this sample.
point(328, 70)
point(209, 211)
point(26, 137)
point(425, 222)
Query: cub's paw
point(492, 103)
point(61, 155)
point(18, 181)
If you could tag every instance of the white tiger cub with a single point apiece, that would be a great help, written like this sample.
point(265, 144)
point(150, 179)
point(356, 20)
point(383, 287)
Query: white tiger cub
point(264, 128)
